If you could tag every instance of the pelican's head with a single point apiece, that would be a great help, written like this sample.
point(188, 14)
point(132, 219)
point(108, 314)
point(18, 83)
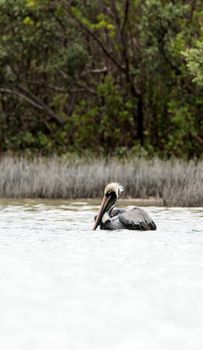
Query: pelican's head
point(115, 188)
point(111, 193)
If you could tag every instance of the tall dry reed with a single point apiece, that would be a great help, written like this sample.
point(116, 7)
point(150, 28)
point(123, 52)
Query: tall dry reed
point(178, 182)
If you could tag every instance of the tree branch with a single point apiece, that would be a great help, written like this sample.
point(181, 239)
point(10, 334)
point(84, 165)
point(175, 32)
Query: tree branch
point(94, 36)
point(33, 100)
point(199, 139)
point(37, 100)
point(77, 83)
point(19, 94)
point(127, 8)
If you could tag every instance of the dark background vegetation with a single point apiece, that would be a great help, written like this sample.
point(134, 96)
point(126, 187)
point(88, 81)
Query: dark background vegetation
point(102, 76)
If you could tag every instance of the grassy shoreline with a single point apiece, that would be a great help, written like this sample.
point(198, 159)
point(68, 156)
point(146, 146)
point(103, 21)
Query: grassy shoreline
point(80, 202)
point(173, 182)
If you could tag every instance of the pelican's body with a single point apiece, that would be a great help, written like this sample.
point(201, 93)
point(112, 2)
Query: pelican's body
point(110, 218)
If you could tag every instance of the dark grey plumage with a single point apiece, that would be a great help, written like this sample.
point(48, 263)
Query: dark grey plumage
point(132, 219)
point(137, 219)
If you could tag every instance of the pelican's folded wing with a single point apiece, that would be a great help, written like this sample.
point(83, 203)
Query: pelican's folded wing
point(116, 211)
point(137, 219)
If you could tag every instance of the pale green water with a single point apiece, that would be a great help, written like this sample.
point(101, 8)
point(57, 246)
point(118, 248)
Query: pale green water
point(63, 286)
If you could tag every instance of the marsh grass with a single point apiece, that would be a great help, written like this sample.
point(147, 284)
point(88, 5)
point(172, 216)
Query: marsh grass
point(177, 182)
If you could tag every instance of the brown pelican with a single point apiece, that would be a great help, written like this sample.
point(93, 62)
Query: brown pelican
point(113, 219)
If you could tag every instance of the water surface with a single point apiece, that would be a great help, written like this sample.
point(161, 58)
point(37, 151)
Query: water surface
point(65, 287)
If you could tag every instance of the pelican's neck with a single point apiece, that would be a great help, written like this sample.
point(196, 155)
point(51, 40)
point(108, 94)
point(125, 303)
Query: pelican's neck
point(105, 217)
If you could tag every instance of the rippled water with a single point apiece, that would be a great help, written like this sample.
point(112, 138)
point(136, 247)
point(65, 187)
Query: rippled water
point(63, 286)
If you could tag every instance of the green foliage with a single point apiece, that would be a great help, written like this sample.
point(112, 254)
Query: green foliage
point(194, 58)
point(111, 77)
